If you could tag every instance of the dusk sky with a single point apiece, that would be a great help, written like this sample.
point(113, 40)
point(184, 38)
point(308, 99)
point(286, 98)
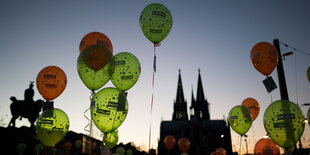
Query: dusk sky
point(215, 36)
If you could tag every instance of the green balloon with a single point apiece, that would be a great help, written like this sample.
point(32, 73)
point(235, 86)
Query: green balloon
point(120, 150)
point(78, 143)
point(110, 139)
point(284, 123)
point(92, 79)
point(21, 147)
point(240, 119)
point(38, 148)
point(51, 126)
point(109, 109)
point(129, 152)
point(155, 22)
point(127, 71)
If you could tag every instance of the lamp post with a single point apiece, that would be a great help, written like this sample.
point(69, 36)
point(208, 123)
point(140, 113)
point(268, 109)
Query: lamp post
point(281, 77)
point(280, 71)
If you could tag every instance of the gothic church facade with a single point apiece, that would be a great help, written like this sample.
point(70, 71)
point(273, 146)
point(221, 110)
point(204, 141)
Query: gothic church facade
point(205, 135)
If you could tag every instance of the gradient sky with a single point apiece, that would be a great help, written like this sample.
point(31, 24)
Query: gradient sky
point(215, 36)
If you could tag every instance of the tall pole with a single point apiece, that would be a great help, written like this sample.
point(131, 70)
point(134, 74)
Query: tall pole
point(282, 82)
point(280, 71)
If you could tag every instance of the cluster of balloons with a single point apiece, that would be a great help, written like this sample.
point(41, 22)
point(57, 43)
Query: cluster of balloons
point(183, 143)
point(96, 65)
point(264, 57)
point(284, 123)
point(38, 148)
point(53, 124)
point(242, 116)
point(283, 120)
point(266, 146)
point(68, 145)
point(121, 151)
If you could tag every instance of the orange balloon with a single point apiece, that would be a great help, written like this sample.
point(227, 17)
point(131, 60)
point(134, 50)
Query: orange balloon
point(169, 142)
point(217, 153)
point(264, 57)
point(220, 149)
point(51, 82)
point(95, 38)
point(253, 105)
point(96, 56)
point(184, 144)
point(266, 146)
point(68, 145)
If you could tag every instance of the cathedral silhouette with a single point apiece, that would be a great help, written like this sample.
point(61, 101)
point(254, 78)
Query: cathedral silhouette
point(205, 135)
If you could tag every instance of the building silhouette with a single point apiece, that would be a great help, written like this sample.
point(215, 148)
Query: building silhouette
point(205, 135)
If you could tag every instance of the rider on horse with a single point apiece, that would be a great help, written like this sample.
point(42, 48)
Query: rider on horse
point(25, 109)
point(29, 93)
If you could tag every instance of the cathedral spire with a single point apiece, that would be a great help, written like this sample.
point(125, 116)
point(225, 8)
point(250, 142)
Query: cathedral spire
point(193, 98)
point(180, 94)
point(200, 94)
point(180, 105)
point(201, 102)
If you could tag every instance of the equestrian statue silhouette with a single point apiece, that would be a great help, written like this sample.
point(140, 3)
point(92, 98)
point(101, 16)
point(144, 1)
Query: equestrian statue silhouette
point(27, 108)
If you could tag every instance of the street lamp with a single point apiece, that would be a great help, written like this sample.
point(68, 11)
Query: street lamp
point(287, 54)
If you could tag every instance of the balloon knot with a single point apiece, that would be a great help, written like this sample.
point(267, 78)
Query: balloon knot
point(156, 44)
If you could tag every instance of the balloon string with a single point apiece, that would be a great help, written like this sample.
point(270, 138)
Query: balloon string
point(154, 62)
point(152, 100)
point(85, 128)
point(296, 76)
point(253, 132)
point(109, 142)
point(89, 124)
point(115, 118)
point(150, 131)
point(240, 144)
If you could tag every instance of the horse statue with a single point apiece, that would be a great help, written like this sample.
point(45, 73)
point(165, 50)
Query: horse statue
point(21, 108)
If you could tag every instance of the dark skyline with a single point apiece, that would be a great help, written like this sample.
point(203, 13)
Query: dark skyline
point(215, 36)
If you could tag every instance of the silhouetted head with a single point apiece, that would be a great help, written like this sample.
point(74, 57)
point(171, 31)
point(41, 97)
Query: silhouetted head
point(13, 98)
point(31, 85)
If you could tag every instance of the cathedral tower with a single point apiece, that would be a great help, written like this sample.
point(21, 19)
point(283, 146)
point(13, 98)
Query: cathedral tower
point(200, 106)
point(180, 105)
